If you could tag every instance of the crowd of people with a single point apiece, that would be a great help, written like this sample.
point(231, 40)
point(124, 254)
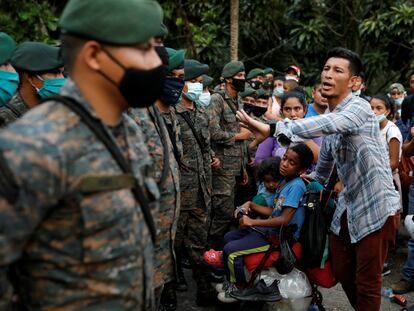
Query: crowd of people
point(122, 162)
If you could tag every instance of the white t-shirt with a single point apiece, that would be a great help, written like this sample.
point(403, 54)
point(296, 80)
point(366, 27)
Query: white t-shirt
point(389, 132)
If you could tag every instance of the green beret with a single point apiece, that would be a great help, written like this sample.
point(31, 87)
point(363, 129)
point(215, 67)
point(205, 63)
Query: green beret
point(259, 200)
point(207, 81)
point(254, 73)
point(162, 31)
point(267, 70)
point(232, 68)
point(193, 69)
point(7, 46)
point(175, 59)
point(36, 56)
point(118, 22)
point(261, 93)
point(248, 92)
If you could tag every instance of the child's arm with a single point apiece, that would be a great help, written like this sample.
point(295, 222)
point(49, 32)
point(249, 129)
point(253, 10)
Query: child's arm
point(284, 219)
point(263, 210)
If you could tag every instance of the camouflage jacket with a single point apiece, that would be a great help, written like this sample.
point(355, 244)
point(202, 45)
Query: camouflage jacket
point(75, 236)
point(13, 110)
point(196, 161)
point(224, 126)
point(158, 142)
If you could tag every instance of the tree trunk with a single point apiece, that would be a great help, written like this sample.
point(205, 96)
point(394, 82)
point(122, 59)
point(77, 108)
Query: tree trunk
point(234, 29)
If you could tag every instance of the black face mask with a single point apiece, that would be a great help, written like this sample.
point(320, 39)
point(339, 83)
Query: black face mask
point(239, 84)
point(163, 54)
point(255, 84)
point(140, 88)
point(172, 89)
point(257, 111)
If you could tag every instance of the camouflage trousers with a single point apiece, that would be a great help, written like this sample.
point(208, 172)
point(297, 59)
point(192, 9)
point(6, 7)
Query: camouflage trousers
point(222, 208)
point(192, 235)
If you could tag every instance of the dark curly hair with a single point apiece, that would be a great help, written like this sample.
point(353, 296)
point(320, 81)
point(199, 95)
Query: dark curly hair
point(269, 166)
point(296, 94)
point(305, 154)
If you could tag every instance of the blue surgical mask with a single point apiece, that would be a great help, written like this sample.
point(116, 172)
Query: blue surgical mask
point(398, 101)
point(204, 99)
point(50, 87)
point(9, 81)
point(171, 91)
point(194, 91)
point(278, 92)
point(381, 118)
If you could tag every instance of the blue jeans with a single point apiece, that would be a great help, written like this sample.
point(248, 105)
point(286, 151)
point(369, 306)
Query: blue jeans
point(408, 269)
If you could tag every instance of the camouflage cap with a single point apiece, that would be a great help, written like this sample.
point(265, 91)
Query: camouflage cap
point(7, 46)
point(175, 59)
point(232, 68)
point(267, 70)
point(248, 92)
point(36, 57)
point(254, 73)
point(193, 69)
point(397, 86)
point(207, 80)
point(118, 22)
point(261, 93)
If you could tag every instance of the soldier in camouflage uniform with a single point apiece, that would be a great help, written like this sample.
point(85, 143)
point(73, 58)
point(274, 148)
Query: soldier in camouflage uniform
point(9, 79)
point(73, 233)
point(195, 178)
point(166, 173)
point(40, 70)
point(228, 141)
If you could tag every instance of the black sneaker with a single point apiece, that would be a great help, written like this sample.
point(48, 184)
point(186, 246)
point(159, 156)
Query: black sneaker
point(386, 269)
point(259, 292)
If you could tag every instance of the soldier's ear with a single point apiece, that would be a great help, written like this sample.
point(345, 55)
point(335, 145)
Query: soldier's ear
point(90, 55)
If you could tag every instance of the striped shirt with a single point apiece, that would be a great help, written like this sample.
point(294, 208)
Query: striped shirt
point(353, 142)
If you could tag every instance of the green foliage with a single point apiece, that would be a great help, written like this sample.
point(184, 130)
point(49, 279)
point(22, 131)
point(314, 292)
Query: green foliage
point(29, 20)
point(272, 33)
point(277, 33)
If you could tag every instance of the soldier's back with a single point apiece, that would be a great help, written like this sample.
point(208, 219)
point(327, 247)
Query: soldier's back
point(75, 227)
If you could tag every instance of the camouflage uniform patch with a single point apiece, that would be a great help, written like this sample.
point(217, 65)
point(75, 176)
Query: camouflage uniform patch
point(233, 156)
point(156, 138)
point(13, 110)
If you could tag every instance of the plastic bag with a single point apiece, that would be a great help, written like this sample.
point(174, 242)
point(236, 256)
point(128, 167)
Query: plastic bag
point(295, 285)
point(269, 276)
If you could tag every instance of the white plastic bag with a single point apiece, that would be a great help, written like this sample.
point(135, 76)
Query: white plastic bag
point(295, 285)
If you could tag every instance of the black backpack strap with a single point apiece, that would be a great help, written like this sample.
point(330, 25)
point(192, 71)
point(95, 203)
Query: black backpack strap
point(102, 134)
point(159, 123)
point(8, 187)
point(190, 123)
point(174, 143)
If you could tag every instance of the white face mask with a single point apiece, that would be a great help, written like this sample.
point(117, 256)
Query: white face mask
point(289, 77)
point(204, 99)
point(398, 101)
point(356, 93)
point(194, 91)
